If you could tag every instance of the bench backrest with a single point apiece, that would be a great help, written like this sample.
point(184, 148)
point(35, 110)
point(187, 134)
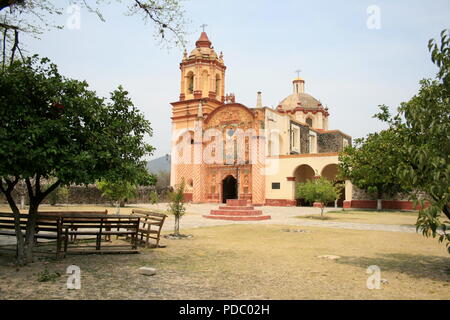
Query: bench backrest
point(72, 213)
point(100, 222)
point(7, 222)
point(149, 213)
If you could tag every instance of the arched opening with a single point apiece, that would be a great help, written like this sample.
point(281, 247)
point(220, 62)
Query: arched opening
point(309, 122)
point(190, 82)
point(217, 85)
point(330, 172)
point(302, 174)
point(205, 77)
point(229, 188)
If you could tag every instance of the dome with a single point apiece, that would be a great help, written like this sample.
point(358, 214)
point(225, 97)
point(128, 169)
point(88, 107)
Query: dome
point(302, 100)
point(203, 52)
point(203, 49)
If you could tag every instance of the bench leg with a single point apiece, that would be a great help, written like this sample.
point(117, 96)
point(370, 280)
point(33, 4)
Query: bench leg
point(99, 239)
point(58, 246)
point(66, 242)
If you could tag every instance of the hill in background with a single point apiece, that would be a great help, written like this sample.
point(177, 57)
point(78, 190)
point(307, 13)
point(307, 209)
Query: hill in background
point(161, 164)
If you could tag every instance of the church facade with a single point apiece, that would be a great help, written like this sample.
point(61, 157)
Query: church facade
point(223, 150)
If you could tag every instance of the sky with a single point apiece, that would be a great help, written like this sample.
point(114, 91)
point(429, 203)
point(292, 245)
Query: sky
point(352, 57)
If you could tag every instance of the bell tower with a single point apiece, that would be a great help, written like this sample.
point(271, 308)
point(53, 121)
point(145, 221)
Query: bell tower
point(202, 80)
point(202, 90)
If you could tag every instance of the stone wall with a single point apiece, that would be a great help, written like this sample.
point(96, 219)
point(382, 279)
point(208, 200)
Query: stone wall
point(330, 142)
point(359, 194)
point(91, 195)
point(304, 139)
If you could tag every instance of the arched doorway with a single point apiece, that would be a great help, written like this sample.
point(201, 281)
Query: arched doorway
point(302, 174)
point(229, 188)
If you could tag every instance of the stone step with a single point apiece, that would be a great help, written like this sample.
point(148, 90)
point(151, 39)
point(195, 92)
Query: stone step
point(235, 208)
point(236, 212)
point(236, 202)
point(237, 218)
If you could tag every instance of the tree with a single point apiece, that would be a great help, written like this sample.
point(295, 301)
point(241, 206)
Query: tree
point(423, 124)
point(318, 190)
point(371, 164)
point(60, 194)
point(176, 206)
point(163, 179)
point(34, 17)
point(154, 197)
point(118, 192)
point(52, 127)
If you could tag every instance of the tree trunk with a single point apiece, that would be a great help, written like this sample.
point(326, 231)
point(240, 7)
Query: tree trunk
point(379, 205)
point(30, 231)
point(22, 202)
point(321, 210)
point(177, 226)
point(118, 207)
point(17, 228)
point(379, 201)
point(446, 211)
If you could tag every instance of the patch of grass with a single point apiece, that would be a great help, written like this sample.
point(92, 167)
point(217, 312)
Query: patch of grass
point(46, 276)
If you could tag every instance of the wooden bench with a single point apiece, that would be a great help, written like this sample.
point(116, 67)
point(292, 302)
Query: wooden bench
point(98, 226)
point(150, 225)
point(79, 214)
point(51, 227)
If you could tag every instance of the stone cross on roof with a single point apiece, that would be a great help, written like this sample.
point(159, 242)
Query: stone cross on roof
point(203, 26)
point(298, 72)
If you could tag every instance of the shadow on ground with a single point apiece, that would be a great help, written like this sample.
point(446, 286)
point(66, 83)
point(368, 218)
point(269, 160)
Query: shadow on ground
point(415, 265)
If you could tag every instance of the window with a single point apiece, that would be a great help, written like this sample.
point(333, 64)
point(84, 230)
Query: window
point(217, 84)
point(190, 83)
point(345, 143)
point(275, 185)
point(312, 142)
point(295, 139)
point(309, 122)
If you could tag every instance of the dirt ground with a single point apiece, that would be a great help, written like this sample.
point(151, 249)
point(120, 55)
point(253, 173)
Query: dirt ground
point(249, 262)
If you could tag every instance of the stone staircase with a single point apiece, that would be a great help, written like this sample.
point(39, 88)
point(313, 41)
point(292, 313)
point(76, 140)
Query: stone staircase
point(237, 210)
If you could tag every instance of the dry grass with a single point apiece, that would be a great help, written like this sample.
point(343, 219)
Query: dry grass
point(250, 262)
point(375, 217)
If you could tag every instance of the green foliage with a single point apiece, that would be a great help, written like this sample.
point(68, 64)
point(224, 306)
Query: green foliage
point(423, 125)
point(154, 198)
point(37, 16)
point(372, 162)
point(60, 194)
point(176, 205)
point(55, 127)
point(118, 191)
point(46, 276)
point(317, 190)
